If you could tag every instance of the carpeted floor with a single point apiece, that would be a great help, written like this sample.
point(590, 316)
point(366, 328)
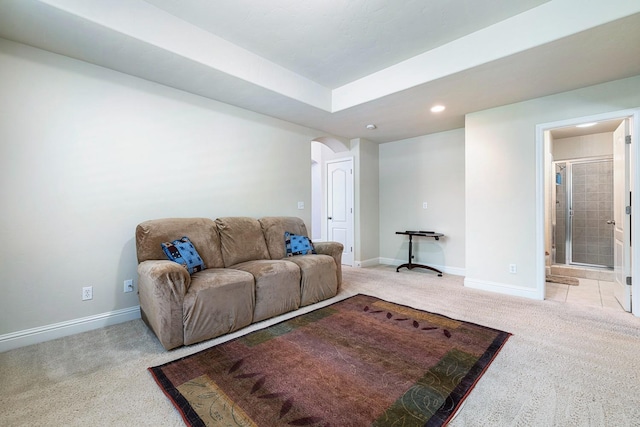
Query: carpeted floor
point(360, 361)
point(565, 365)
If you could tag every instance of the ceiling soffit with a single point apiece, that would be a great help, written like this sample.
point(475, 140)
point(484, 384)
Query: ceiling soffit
point(468, 74)
point(334, 42)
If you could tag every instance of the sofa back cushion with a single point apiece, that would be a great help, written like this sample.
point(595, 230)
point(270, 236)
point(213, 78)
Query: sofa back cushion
point(201, 231)
point(241, 240)
point(274, 228)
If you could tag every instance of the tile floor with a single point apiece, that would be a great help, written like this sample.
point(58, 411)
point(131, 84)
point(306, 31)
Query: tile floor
point(595, 289)
point(590, 292)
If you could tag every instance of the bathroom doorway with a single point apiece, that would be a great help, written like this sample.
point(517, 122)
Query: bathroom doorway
point(580, 193)
point(582, 133)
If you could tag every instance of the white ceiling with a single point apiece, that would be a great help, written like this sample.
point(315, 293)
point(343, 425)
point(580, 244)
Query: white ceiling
point(334, 42)
point(337, 65)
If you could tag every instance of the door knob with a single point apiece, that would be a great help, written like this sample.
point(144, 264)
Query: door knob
point(611, 222)
point(329, 217)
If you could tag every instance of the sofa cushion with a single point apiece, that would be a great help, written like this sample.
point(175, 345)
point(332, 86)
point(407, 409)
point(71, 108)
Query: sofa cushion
point(277, 286)
point(319, 280)
point(184, 253)
point(219, 301)
point(297, 245)
point(274, 228)
point(241, 240)
point(201, 231)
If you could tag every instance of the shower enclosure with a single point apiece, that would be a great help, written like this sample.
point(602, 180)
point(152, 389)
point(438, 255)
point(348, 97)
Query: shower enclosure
point(583, 216)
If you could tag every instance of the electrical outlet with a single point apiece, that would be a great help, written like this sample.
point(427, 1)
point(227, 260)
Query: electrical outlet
point(513, 269)
point(424, 205)
point(128, 285)
point(87, 293)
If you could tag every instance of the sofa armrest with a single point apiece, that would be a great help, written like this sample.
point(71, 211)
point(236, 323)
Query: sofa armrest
point(335, 250)
point(162, 286)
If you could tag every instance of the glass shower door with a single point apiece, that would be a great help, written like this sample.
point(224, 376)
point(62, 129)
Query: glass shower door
point(591, 212)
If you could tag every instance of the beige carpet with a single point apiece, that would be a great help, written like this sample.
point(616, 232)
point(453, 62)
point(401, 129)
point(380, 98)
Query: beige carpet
point(565, 365)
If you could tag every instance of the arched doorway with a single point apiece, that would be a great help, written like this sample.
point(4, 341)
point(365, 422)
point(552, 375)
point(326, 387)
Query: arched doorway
point(332, 189)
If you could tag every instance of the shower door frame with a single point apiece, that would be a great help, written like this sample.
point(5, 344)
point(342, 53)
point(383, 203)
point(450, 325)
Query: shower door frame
point(569, 209)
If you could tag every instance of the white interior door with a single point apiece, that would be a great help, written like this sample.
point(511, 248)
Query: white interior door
point(622, 224)
point(340, 206)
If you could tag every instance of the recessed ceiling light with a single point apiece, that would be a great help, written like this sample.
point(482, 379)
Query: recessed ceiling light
point(437, 108)
point(371, 127)
point(586, 125)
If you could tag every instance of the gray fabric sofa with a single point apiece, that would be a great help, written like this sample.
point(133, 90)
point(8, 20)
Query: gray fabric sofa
point(248, 275)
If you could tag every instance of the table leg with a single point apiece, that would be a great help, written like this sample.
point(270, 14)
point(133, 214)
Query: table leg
point(410, 265)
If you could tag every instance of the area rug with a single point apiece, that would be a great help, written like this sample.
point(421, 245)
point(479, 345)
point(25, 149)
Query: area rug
point(563, 280)
point(358, 362)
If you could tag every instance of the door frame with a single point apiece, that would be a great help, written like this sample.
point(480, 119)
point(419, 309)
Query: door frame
point(540, 197)
point(352, 201)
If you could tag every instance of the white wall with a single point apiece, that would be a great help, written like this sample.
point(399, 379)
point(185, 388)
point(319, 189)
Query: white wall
point(577, 147)
point(87, 153)
point(367, 217)
point(430, 169)
point(501, 180)
point(316, 199)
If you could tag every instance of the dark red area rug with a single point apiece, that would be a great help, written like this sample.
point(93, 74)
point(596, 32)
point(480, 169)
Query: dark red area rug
point(358, 362)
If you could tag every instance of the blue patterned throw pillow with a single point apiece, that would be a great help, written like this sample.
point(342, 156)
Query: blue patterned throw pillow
point(298, 245)
point(184, 253)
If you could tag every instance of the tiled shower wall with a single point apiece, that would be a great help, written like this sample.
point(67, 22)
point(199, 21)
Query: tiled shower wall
point(592, 198)
point(592, 203)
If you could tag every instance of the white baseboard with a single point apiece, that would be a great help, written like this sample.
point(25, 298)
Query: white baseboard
point(366, 263)
point(456, 271)
point(502, 288)
point(63, 329)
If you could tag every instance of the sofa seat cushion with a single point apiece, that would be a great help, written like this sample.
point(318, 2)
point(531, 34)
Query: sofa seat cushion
point(277, 285)
point(319, 280)
point(219, 301)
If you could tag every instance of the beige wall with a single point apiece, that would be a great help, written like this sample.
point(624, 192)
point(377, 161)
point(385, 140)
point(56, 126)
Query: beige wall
point(87, 153)
point(501, 180)
point(577, 147)
point(430, 169)
point(367, 217)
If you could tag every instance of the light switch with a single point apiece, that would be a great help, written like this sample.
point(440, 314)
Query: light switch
point(300, 205)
